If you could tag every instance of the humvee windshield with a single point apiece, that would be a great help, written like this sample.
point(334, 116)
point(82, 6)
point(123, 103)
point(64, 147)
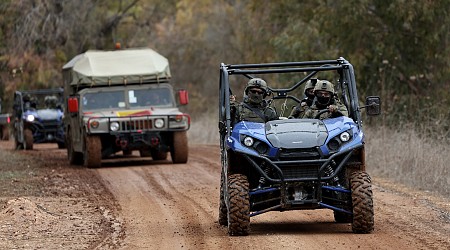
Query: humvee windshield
point(122, 99)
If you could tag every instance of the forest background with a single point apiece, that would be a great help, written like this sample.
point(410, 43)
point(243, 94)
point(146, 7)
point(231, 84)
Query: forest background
point(399, 50)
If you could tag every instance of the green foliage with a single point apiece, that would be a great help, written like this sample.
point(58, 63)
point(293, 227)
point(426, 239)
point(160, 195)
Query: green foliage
point(399, 49)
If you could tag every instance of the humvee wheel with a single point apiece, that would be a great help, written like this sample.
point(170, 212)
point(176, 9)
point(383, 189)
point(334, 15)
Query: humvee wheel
point(28, 139)
point(238, 205)
point(179, 149)
point(362, 202)
point(223, 220)
point(158, 155)
point(93, 152)
point(75, 158)
point(5, 133)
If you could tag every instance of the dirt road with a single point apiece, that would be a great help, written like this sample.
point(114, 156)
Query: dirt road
point(157, 205)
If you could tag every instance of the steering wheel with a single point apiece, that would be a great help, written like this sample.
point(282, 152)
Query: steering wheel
point(323, 111)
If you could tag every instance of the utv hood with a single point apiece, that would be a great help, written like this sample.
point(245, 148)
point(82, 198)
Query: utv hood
point(296, 133)
point(49, 114)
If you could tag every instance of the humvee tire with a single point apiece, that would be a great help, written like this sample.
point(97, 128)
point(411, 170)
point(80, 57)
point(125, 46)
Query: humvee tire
point(158, 155)
point(362, 202)
point(93, 152)
point(238, 205)
point(75, 158)
point(28, 139)
point(179, 149)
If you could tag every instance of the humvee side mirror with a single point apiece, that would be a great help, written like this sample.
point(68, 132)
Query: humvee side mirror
point(373, 105)
point(72, 105)
point(183, 97)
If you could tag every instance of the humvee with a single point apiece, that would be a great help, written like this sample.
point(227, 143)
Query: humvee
point(121, 101)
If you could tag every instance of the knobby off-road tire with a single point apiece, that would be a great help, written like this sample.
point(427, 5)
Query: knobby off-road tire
point(75, 158)
point(158, 155)
point(362, 202)
point(93, 152)
point(179, 149)
point(238, 205)
point(28, 139)
point(223, 217)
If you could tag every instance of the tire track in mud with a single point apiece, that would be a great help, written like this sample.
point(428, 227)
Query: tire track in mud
point(195, 217)
point(146, 212)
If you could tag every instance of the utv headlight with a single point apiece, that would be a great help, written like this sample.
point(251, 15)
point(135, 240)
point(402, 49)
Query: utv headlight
point(159, 123)
point(345, 137)
point(248, 141)
point(30, 118)
point(114, 126)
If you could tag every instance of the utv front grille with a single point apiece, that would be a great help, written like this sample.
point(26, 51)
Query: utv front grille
point(296, 171)
point(298, 154)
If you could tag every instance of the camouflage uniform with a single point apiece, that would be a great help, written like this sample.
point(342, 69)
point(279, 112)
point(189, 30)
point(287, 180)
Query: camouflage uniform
point(254, 108)
point(335, 107)
point(304, 104)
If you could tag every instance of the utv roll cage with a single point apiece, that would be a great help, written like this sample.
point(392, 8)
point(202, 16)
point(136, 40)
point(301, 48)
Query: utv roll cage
point(346, 83)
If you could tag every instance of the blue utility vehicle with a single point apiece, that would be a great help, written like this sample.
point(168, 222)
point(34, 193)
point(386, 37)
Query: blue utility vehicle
point(294, 164)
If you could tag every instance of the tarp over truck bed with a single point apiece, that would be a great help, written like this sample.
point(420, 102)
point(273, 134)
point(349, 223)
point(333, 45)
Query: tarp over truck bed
point(118, 67)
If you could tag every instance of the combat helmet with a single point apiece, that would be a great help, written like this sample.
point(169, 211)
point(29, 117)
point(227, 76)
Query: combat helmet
point(324, 85)
point(51, 101)
point(256, 83)
point(310, 84)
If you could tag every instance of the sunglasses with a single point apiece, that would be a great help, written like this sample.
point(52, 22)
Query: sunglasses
point(256, 91)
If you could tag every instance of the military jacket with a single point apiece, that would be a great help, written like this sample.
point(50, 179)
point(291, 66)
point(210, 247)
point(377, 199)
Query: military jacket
point(246, 112)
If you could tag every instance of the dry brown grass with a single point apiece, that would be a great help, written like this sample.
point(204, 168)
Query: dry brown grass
point(409, 158)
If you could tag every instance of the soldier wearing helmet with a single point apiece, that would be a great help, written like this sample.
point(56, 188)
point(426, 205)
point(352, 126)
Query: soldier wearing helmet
point(325, 100)
point(51, 102)
point(298, 110)
point(254, 108)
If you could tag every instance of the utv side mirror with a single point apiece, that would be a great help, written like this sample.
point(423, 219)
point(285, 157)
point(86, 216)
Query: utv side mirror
point(183, 97)
point(373, 105)
point(72, 105)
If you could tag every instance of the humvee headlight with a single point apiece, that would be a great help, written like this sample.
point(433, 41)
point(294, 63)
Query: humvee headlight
point(114, 126)
point(159, 123)
point(30, 118)
point(344, 137)
point(94, 124)
point(248, 141)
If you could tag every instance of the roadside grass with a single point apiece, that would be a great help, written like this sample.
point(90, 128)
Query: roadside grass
point(407, 157)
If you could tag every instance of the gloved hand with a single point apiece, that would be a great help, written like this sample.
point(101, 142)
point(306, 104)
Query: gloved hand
point(232, 98)
point(333, 108)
